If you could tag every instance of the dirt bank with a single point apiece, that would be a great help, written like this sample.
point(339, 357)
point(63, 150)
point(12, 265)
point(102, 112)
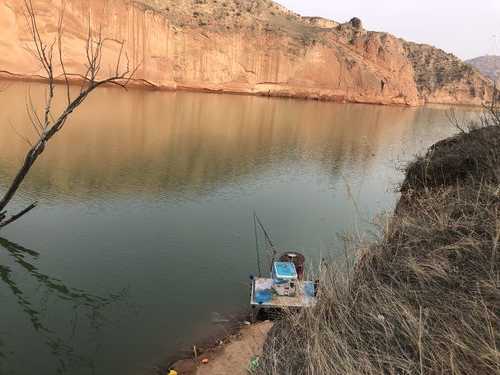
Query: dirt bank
point(232, 356)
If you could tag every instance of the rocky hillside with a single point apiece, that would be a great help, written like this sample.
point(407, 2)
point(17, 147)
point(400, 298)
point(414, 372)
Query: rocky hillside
point(241, 46)
point(443, 78)
point(487, 65)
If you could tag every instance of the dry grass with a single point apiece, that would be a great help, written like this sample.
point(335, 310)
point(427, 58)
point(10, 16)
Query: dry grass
point(425, 298)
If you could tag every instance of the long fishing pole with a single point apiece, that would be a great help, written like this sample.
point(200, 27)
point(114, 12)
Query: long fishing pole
point(256, 242)
point(267, 237)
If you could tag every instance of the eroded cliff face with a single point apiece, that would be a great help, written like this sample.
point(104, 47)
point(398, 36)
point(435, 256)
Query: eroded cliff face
point(255, 47)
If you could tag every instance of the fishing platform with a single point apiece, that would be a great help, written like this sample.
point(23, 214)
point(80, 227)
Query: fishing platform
point(285, 287)
point(304, 296)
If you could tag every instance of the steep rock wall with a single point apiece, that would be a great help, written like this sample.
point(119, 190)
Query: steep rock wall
point(281, 55)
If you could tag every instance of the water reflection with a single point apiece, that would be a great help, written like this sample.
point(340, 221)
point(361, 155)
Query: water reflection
point(37, 306)
point(146, 142)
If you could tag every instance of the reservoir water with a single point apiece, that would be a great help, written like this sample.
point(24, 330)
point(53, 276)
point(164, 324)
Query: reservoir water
point(144, 229)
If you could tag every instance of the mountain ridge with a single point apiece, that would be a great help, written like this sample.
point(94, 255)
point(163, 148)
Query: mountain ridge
point(488, 65)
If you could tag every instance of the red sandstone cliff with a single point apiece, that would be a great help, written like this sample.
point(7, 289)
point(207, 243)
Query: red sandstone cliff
point(255, 47)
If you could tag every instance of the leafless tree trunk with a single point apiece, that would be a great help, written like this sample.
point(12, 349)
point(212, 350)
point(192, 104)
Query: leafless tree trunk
point(46, 125)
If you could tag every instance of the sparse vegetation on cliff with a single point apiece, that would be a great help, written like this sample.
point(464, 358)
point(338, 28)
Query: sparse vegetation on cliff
point(436, 70)
point(424, 299)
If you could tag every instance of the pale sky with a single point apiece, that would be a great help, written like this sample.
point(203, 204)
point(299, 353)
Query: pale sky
point(467, 28)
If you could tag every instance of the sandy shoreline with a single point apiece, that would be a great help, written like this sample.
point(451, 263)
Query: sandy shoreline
point(231, 356)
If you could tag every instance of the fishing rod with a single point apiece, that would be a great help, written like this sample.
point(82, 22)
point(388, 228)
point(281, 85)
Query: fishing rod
point(267, 237)
point(256, 242)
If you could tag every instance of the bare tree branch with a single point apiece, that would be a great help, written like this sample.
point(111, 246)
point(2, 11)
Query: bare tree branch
point(49, 125)
point(23, 137)
point(18, 215)
point(60, 32)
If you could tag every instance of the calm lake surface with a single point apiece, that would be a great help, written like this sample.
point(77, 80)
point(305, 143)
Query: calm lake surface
point(144, 230)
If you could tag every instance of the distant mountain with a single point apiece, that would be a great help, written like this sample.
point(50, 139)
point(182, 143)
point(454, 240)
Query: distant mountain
point(241, 46)
point(487, 65)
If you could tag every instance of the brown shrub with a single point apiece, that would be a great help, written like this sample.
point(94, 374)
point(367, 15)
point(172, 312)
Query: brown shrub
point(474, 155)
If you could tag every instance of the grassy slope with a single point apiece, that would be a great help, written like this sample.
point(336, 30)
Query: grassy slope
point(426, 297)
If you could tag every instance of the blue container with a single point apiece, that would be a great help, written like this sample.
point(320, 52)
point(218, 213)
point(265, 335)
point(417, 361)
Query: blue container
point(309, 288)
point(284, 271)
point(263, 296)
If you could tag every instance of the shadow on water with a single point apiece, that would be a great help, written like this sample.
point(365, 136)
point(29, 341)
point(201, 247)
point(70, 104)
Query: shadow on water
point(92, 306)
